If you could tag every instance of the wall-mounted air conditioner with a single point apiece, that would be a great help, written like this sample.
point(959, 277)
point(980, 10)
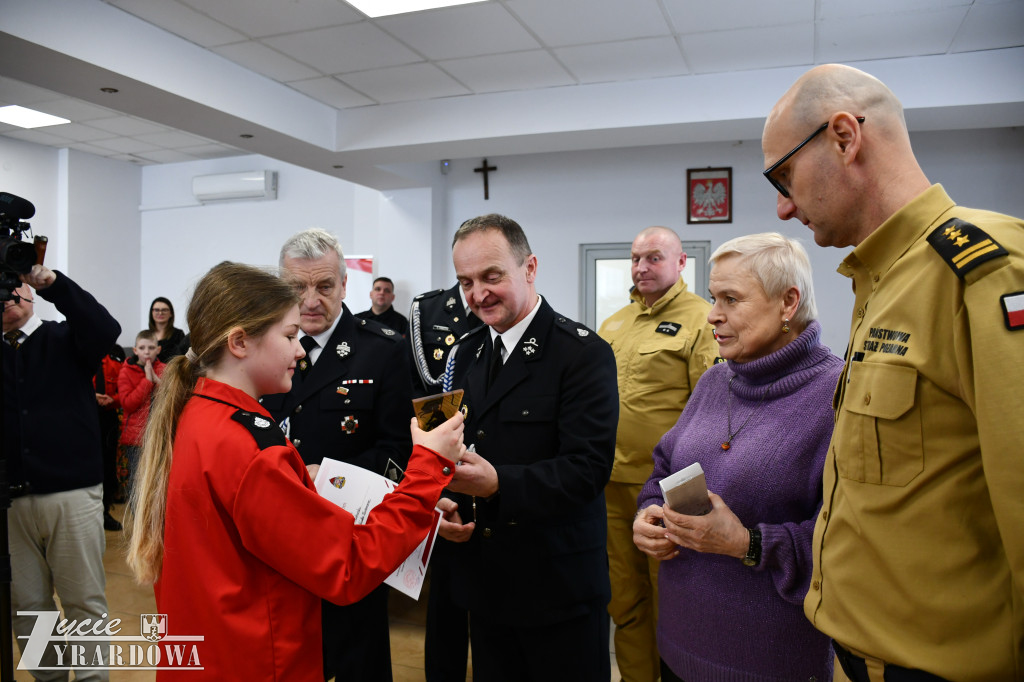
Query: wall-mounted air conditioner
point(258, 185)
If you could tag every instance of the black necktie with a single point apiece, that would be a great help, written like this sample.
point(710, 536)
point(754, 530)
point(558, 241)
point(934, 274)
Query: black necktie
point(496, 363)
point(308, 343)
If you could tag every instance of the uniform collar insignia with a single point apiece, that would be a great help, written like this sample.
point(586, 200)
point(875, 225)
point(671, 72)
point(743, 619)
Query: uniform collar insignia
point(343, 349)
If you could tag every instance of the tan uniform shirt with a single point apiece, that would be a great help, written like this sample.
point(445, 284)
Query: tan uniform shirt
point(660, 353)
point(919, 547)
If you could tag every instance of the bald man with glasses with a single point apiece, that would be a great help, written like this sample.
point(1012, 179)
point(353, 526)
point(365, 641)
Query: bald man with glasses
point(918, 550)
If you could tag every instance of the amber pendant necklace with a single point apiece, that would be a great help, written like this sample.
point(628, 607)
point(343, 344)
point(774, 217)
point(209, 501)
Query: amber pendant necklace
point(728, 414)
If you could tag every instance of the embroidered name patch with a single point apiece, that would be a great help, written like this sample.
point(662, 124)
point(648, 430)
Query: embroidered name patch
point(1013, 310)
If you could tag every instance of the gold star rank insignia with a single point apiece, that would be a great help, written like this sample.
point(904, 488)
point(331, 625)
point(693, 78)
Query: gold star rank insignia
point(964, 246)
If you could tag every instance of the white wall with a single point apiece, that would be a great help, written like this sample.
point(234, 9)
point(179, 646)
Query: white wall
point(87, 207)
point(561, 200)
point(565, 199)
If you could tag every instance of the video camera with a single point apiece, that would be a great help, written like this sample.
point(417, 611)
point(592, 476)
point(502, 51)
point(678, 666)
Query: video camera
point(16, 255)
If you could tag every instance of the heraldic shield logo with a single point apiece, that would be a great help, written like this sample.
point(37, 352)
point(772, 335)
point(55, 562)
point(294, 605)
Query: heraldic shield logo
point(154, 626)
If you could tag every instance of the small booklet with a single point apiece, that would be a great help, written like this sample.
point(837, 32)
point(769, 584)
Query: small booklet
point(357, 491)
point(686, 491)
point(434, 410)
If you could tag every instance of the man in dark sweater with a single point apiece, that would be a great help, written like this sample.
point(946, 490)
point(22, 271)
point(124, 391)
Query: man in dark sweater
point(381, 297)
point(51, 442)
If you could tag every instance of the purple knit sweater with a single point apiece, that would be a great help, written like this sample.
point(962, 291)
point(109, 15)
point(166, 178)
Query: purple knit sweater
point(719, 619)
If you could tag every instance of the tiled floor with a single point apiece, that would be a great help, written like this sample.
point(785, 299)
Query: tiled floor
point(127, 601)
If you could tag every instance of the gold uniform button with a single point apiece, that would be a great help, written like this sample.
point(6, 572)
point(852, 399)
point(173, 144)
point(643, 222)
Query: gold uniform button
point(298, 409)
point(297, 442)
point(488, 532)
point(816, 586)
point(824, 515)
point(447, 471)
point(480, 435)
point(860, 312)
point(867, 398)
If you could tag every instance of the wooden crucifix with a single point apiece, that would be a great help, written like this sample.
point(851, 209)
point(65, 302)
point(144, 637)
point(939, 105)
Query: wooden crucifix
point(483, 169)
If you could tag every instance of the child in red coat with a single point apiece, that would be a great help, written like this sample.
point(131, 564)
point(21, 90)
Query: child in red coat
point(135, 384)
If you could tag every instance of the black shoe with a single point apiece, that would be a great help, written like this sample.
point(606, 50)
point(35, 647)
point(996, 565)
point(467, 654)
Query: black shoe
point(110, 523)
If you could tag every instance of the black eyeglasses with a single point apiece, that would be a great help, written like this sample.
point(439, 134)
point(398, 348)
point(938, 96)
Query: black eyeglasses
point(768, 173)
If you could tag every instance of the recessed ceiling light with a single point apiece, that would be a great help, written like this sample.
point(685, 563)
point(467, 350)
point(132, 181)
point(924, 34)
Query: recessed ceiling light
point(383, 8)
point(28, 118)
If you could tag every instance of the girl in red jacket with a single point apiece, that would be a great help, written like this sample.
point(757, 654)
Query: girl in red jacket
point(226, 519)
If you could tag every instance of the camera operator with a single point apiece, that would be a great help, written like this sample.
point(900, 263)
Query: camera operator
point(51, 441)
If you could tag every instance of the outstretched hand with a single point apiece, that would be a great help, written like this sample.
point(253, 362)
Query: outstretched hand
point(444, 439)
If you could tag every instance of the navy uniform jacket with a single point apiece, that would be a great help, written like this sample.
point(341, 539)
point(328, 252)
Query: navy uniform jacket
point(51, 434)
point(537, 554)
point(355, 403)
point(437, 320)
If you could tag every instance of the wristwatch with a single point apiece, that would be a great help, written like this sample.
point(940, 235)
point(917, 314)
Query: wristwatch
point(753, 556)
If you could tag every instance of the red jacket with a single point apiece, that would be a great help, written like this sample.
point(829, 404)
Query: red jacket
point(250, 547)
point(135, 392)
point(111, 372)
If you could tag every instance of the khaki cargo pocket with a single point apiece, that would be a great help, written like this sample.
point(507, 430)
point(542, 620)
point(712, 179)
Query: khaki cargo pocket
point(879, 436)
point(660, 358)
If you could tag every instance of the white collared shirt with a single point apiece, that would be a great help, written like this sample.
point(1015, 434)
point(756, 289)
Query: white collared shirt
point(322, 338)
point(511, 336)
point(33, 323)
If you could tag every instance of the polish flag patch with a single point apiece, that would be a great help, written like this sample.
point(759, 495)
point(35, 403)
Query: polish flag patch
point(1013, 310)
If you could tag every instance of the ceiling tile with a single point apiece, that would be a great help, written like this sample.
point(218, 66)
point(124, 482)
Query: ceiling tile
point(90, 149)
point(464, 31)
point(721, 51)
point(900, 35)
point(125, 145)
point(692, 17)
point(39, 136)
point(165, 156)
point(83, 133)
point(624, 60)
point(842, 9)
point(127, 125)
point(574, 22)
point(405, 83)
point(262, 59)
point(345, 49)
point(516, 71)
point(332, 92)
point(172, 139)
point(130, 158)
point(259, 18)
point(991, 26)
point(180, 20)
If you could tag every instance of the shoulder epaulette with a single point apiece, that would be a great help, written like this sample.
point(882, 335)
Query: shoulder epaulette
point(378, 329)
point(964, 246)
point(575, 329)
point(429, 294)
point(263, 429)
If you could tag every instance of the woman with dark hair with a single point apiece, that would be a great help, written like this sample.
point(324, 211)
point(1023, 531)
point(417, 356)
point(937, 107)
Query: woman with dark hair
point(161, 321)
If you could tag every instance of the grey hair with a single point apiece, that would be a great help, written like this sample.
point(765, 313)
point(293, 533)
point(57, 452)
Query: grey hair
point(312, 244)
point(777, 263)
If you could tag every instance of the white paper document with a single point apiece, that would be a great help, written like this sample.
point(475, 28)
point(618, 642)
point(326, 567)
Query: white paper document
point(357, 491)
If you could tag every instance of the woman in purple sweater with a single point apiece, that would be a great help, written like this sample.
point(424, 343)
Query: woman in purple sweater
point(733, 581)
